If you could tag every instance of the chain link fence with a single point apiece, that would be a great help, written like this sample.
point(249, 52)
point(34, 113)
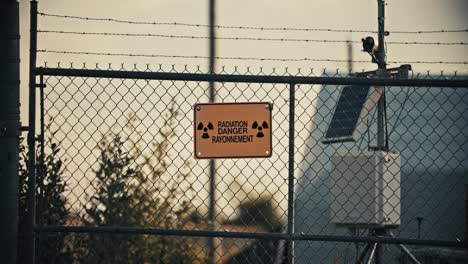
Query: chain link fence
point(118, 181)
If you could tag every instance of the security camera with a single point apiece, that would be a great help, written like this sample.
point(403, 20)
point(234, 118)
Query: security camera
point(368, 44)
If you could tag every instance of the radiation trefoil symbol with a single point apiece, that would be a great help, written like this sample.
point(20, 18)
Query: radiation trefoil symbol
point(205, 134)
point(260, 128)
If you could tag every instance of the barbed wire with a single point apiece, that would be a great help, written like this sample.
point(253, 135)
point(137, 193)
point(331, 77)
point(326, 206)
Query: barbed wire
point(260, 28)
point(437, 43)
point(242, 38)
point(429, 62)
point(239, 58)
point(195, 37)
point(193, 56)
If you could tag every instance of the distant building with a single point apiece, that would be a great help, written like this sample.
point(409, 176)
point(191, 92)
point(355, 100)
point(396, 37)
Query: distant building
point(428, 126)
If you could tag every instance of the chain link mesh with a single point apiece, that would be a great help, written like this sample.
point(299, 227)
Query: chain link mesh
point(127, 149)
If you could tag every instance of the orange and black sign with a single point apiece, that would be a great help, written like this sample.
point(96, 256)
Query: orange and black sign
point(232, 130)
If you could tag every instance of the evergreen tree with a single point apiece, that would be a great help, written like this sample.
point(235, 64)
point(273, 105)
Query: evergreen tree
point(132, 191)
point(113, 205)
point(51, 204)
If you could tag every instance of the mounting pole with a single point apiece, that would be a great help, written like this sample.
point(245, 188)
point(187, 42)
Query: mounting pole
point(212, 256)
point(9, 128)
point(380, 55)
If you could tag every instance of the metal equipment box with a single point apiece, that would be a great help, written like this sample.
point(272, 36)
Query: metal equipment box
point(365, 189)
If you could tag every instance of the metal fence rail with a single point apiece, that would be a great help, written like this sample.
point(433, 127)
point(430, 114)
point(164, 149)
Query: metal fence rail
point(133, 130)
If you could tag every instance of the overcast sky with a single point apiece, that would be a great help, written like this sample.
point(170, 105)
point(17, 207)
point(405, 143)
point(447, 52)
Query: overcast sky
point(334, 14)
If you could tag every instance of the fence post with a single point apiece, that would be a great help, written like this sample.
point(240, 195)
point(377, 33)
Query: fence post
point(41, 168)
point(30, 241)
point(9, 128)
point(292, 105)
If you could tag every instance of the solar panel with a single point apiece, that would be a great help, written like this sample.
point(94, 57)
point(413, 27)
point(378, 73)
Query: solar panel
point(349, 111)
point(355, 104)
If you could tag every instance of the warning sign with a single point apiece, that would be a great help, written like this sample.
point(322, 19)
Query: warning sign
point(232, 130)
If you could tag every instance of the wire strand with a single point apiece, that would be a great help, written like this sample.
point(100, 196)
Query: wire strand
point(238, 58)
point(241, 38)
point(461, 43)
point(261, 28)
point(195, 37)
point(191, 56)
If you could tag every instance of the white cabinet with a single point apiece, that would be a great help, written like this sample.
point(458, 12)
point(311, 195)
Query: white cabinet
point(365, 189)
